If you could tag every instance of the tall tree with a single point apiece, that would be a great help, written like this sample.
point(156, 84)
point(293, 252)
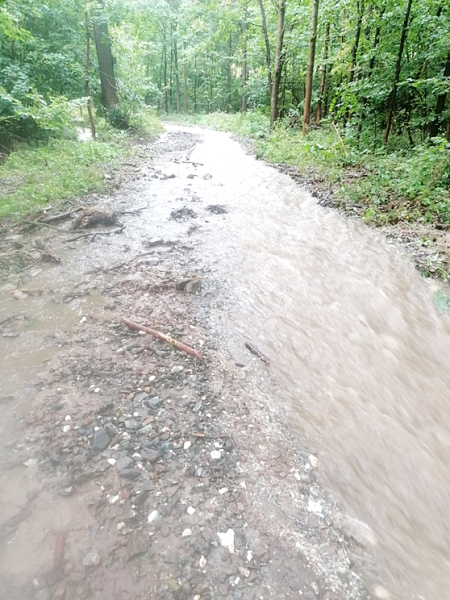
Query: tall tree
point(105, 58)
point(323, 77)
point(310, 70)
point(267, 44)
point(398, 66)
point(278, 66)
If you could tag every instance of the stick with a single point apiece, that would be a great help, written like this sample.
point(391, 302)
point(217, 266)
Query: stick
point(257, 353)
point(164, 337)
point(340, 138)
point(82, 235)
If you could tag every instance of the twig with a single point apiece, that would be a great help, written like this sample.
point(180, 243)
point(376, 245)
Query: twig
point(30, 266)
point(164, 337)
point(42, 224)
point(89, 233)
point(340, 138)
point(131, 212)
point(257, 353)
point(58, 217)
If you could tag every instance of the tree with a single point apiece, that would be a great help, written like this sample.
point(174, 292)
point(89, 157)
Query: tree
point(310, 70)
point(278, 67)
point(105, 58)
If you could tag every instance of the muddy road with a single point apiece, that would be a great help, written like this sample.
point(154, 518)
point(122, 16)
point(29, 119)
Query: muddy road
point(132, 470)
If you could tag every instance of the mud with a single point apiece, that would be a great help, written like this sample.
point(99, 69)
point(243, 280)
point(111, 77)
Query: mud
point(130, 469)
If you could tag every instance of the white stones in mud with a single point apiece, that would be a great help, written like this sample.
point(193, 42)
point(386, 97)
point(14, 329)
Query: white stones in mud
point(202, 562)
point(227, 540)
point(314, 507)
point(216, 455)
point(190, 510)
point(153, 516)
point(313, 461)
point(223, 491)
point(92, 559)
point(111, 461)
point(177, 369)
point(186, 533)
point(187, 445)
point(66, 428)
point(30, 462)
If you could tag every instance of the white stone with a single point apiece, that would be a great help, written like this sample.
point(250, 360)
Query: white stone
point(313, 461)
point(216, 455)
point(223, 491)
point(227, 540)
point(67, 418)
point(314, 507)
point(152, 516)
point(187, 445)
point(97, 390)
point(30, 462)
point(186, 533)
point(152, 378)
point(112, 461)
point(66, 428)
point(114, 499)
point(382, 593)
point(249, 555)
point(202, 562)
point(120, 526)
point(190, 510)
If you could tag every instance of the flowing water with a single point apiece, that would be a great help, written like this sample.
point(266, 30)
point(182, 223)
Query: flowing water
point(355, 343)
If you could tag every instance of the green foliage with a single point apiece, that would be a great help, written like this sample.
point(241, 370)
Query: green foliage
point(442, 302)
point(61, 169)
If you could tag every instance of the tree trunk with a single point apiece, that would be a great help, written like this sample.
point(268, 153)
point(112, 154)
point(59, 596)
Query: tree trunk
point(376, 41)
point(105, 59)
point(447, 133)
point(86, 77)
point(244, 67)
point(266, 40)
point(324, 75)
point(177, 75)
point(398, 66)
point(278, 66)
point(440, 105)
point(351, 77)
point(185, 84)
point(229, 76)
point(166, 94)
point(195, 85)
point(310, 69)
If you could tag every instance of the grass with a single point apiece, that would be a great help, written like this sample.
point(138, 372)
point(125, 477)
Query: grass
point(33, 176)
point(387, 186)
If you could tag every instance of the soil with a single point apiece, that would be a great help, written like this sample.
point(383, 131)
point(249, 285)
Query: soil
point(130, 469)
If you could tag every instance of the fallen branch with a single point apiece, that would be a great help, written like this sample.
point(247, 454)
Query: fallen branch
point(164, 337)
point(257, 353)
point(92, 235)
point(57, 217)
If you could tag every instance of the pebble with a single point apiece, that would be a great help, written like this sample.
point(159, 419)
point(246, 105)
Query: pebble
point(216, 454)
point(66, 428)
point(314, 507)
point(92, 559)
point(227, 540)
point(129, 473)
point(100, 440)
point(186, 533)
point(112, 461)
point(223, 491)
point(30, 462)
point(382, 593)
point(202, 562)
point(187, 445)
point(190, 510)
point(313, 461)
point(153, 516)
point(177, 369)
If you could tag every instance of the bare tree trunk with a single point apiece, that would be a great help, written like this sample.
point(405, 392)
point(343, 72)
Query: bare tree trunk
point(244, 66)
point(266, 40)
point(440, 104)
point(185, 84)
point(376, 41)
point(229, 76)
point(105, 59)
point(398, 66)
point(177, 75)
point(195, 84)
point(278, 66)
point(86, 78)
point(310, 69)
point(323, 79)
point(351, 77)
point(447, 133)
point(166, 94)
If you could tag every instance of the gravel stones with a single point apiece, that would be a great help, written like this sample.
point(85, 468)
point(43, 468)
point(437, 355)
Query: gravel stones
point(100, 440)
point(92, 559)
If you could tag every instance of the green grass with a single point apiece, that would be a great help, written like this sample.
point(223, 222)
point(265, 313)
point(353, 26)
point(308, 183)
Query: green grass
point(61, 169)
point(388, 186)
point(33, 176)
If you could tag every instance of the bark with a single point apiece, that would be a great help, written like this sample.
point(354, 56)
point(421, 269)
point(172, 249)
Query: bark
point(310, 69)
point(376, 41)
point(86, 78)
point(177, 75)
point(440, 104)
point(229, 76)
point(185, 86)
point(267, 43)
point(105, 60)
point(195, 84)
point(398, 66)
point(351, 77)
point(323, 79)
point(447, 133)
point(278, 66)
point(244, 67)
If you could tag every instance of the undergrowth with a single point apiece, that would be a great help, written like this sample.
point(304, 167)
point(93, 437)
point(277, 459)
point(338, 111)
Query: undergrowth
point(34, 175)
point(387, 185)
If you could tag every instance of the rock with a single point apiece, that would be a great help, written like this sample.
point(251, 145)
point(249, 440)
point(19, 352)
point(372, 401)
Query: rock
point(227, 540)
point(100, 440)
point(141, 397)
point(155, 403)
point(139, 544)
point(150, 455)
point(207, 176)
point(313, 461)
point(216, 455)
point(186, 533)
point(92, 559)
point(191, 285)
point(359, 531)
point(129, 473)
point(153, 516)
point(217, 209)
point(314, 507)
point(182, 214)
point(190, 510)
point(382, 593)
point(124, 462)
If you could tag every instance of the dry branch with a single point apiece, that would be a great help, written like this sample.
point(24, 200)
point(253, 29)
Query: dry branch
point(164, 337)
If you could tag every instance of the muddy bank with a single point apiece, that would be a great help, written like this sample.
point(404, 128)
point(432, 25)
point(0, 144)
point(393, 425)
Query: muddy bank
point(132, 470)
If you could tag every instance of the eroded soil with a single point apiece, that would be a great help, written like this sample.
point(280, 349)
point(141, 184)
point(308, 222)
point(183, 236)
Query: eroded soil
point(130, 470)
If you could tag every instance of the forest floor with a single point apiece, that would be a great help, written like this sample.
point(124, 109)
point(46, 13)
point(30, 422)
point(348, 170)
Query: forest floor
point(130, 469)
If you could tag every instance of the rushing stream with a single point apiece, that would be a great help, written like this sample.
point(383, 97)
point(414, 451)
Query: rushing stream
point(355, 343)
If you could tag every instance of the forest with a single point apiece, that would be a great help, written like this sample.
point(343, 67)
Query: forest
point(332, 87)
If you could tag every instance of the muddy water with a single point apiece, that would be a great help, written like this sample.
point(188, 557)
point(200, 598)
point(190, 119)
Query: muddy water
point(355, 343)
point(357, 347)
